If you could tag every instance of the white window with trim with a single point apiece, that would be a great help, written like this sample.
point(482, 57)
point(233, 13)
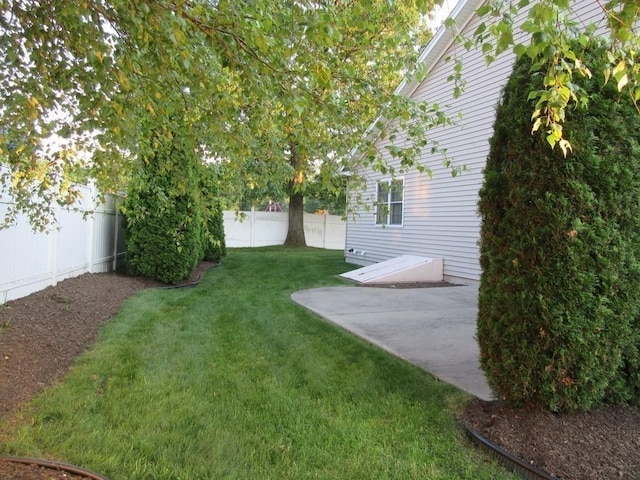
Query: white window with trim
point(390, 202)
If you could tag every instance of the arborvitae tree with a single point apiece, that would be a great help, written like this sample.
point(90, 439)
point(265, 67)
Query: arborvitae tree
point(163, 212)
point(560, 246)
point(213, 229)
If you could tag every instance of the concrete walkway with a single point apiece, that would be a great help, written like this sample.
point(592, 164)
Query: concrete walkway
point(433, 328)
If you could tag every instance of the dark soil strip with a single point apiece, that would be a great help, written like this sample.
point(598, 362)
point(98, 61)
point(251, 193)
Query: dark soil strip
point(31, 468)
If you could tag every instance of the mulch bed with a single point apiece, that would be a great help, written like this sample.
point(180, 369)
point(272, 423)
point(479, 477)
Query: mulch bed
point(11, 470)
point(599, 445)
point(42, 334)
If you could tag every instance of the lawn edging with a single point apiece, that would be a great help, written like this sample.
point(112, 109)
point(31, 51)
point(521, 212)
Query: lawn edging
point(65, 467)
point(511, 462)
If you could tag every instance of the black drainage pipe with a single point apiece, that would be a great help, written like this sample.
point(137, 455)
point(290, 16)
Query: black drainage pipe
point(510, 461)
point(54, 466)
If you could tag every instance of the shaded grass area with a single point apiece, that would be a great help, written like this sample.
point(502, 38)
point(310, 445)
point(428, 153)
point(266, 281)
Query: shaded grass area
point(233, 380)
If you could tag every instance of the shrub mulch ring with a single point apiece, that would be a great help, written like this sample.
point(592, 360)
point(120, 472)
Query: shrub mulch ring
point(42, 334)
point(602, 444)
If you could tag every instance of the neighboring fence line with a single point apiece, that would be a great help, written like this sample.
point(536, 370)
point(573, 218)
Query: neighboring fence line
point(259, 229)
point(30, 261)
point(33, 261)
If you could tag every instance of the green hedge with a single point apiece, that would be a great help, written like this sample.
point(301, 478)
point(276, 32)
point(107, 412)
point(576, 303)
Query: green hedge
point(213, 231)
point(163, 213)
point(560, 242)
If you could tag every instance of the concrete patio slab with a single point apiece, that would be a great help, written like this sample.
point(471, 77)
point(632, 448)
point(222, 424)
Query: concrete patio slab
point(433, 328)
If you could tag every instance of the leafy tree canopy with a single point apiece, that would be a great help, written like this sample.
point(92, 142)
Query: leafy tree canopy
point(550, 29)
point(253, 78)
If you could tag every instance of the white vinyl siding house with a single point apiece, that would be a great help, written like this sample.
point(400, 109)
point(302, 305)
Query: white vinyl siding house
point(439, 214)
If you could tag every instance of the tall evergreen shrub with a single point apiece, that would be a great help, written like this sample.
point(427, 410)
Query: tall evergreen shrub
point(163, 212)
point(213, 229)
point(560, 246)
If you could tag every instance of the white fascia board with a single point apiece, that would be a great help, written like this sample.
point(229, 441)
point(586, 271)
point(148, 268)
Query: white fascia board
point(462, 13)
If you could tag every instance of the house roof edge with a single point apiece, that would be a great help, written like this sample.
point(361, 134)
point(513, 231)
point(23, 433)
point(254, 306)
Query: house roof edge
point(462, 13)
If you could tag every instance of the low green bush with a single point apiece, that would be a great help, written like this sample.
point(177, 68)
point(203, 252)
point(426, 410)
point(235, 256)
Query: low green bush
point(560, 246)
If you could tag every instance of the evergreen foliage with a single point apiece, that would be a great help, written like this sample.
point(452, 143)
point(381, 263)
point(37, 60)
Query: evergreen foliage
point(213, 229)
point(163, 212)
point(558, 307)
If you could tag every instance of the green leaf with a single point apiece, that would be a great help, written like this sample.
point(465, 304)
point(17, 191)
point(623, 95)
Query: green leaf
point(261, 43)
point(536, 125)
point(622, 82)
point(299, 106)
point(484, 10)
point(480, 30)
point(179, 35)
point(619, 68)
point(449, 22)
point(565, 93)
point(519, 49)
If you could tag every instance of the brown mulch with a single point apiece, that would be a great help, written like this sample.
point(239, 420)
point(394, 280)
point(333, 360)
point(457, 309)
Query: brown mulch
point(599, 445)
point(42, 334)
point(22, 471)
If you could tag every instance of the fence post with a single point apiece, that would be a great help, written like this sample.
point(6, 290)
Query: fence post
point(92, 229)
point(252, 227)
point(91, 248)
point(324, 231)
point(115, 232)
point(53, 249)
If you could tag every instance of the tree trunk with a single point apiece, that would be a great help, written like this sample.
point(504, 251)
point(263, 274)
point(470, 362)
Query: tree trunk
point(295, 232)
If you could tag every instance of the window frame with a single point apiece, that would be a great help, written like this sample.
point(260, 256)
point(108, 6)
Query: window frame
point(389, 203)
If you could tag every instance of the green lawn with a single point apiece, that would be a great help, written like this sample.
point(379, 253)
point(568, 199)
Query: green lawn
point(233, 380)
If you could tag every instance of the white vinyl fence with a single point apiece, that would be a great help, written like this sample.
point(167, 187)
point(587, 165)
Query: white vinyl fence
point(32, 261)
point(259, 229)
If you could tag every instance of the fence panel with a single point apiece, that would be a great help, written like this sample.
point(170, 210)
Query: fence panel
point(324, 231)
point(25, 260)
point(259, 229)
point(108, 239)
point(95, 243)
point(72, 246)
point(33, 261)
